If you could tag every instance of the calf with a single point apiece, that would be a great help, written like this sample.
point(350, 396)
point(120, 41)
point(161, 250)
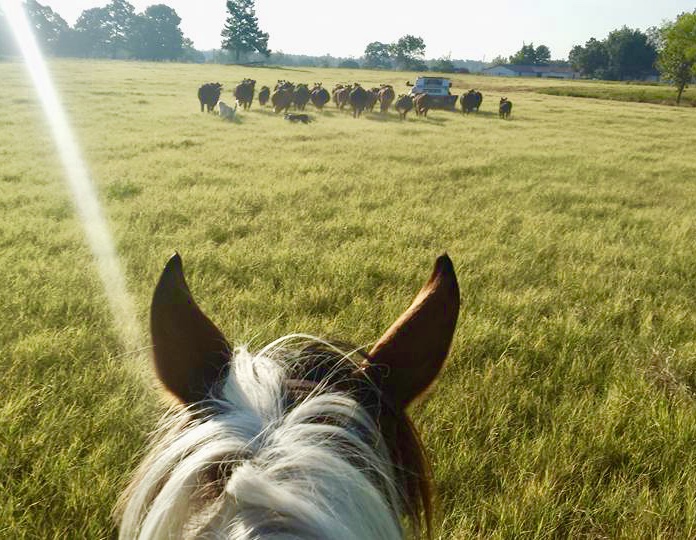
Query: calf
point(505, 108)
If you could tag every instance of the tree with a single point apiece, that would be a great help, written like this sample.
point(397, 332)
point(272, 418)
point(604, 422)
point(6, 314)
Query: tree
point(592, 60)
point(526, 55)
point(7, 46)
point(499, 60)
point(677, 58)
point(50, 29)
point(158, 36)
point(542, 54)
point(107, 32)
point(377, 55)
point(241, 33)
point(190, 54)
point(349, 63)
point(631, 55)
point(443, 65)
point(408, 53)
point(530, 56)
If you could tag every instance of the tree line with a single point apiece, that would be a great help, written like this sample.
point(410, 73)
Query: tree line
point(117, 31)
point(113, 31)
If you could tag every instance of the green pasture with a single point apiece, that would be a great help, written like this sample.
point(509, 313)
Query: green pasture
point(568, 406)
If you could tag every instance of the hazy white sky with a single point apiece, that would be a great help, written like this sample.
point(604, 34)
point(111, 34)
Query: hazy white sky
point(465, 29)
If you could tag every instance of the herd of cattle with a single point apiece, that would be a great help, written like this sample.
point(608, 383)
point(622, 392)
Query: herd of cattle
point(359, 99)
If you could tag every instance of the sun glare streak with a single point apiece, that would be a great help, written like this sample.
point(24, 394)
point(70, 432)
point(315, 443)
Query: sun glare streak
point(77, 176)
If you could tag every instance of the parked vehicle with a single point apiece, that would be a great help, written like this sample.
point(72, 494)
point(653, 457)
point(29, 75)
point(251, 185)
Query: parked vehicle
point(438, 88)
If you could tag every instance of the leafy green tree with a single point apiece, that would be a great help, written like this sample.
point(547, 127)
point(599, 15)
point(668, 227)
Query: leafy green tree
point(241, 33)
point(631, 55)
point(528, 55)
point(677, 58)
point(107, 32)
point(50, 29)
point(443, 65)
point(6, 41)
point(408, 53)
point(525, 56)
point(499, 60)
point(542, 54)
point(349, 64)
point(157, 33)
point(189, 53)
point(92, 38)
point(592, 60)
point(377, 55)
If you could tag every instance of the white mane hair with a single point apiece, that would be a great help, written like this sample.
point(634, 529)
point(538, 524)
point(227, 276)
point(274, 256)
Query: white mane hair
point(253, 462)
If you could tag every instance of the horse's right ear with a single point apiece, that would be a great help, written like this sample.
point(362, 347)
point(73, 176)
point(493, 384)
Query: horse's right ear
point(190, 353)
point(409, 355)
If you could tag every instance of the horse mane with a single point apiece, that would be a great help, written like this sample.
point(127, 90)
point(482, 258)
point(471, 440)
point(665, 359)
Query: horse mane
point(292, 443)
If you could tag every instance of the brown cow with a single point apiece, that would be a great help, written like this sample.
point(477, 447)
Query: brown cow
point(264, 95)
point(358, 99)
point(372, 97)
point(301, 96)
point(341, 94)
point(209, 95)
point(386, 96)
point(283, 96)
point(319, 96)
point(421, 103)
point(244, 93)
point(403, 104)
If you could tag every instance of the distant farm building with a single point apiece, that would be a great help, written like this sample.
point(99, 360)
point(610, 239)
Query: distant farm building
point(548, 72)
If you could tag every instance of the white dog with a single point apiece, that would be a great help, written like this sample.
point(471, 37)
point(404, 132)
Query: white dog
point(226, 111)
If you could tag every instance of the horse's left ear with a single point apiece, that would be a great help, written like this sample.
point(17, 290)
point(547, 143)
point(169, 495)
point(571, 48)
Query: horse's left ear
point(190, 353)
point(410, 354)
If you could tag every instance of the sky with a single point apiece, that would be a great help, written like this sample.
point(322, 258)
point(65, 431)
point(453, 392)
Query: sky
point(463, 29)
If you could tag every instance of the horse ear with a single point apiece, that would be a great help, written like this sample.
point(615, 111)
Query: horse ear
point(190, 353)
point(410, 354)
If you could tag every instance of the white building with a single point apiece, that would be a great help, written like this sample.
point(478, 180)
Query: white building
point(516, 70)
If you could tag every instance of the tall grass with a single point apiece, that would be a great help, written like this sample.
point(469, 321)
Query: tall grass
point(567, 407)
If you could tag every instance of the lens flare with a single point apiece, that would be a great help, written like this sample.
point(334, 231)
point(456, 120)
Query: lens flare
point(77, 176)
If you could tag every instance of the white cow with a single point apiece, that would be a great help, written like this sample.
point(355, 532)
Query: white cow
point(226, 111)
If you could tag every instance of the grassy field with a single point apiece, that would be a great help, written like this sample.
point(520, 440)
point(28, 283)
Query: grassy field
point(568, 406)
point(661, 94)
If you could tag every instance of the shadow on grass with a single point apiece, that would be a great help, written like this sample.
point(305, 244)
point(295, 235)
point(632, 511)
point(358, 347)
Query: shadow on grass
point(379, 117)
point(276, 68)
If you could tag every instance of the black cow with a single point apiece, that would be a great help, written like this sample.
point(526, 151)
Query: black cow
point(319, 96)
point(471, 101)
point(301, 96)
point(505, 108)
point(209, 95)
point(244, 93)
point(264, 95)
point(358, 99)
